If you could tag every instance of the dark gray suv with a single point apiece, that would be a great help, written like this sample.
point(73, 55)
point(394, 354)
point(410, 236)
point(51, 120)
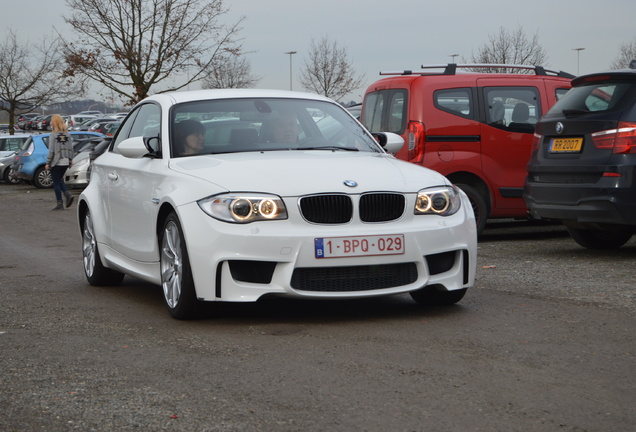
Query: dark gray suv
point(582, 171)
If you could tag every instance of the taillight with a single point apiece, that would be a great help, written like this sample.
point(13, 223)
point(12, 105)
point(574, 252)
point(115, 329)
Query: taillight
point(416, 139)
point(536, 142)
point(621, 140)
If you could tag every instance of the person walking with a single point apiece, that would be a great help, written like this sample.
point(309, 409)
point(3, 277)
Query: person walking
point(60, 158)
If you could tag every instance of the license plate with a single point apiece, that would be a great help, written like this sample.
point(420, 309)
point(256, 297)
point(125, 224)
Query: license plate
point(566, 145)
point(342, 247)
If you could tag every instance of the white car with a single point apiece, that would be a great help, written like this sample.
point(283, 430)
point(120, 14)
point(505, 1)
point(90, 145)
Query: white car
point(255, 213)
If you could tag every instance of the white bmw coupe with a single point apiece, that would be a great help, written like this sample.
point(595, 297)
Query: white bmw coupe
point(231, 195)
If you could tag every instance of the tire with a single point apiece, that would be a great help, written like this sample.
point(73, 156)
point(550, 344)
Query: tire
point(478, 203)
point(435, 295)
point(42, 178)
point(177, 283)
point(601, 239)
point(95, 272)
point(10, 178)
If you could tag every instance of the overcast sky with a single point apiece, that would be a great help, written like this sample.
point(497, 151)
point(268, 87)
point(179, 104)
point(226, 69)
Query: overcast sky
point(392, 35)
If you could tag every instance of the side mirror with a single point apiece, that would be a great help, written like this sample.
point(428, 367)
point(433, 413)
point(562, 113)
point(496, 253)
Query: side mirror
point(390, 142)
point(138, 147)
point(133, 148)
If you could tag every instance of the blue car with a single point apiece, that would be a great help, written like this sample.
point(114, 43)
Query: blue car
point(31, 159)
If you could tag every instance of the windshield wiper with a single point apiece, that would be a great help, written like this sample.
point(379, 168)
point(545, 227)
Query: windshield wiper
point(329, 148)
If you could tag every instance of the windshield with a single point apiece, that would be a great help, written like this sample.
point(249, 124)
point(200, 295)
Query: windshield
point(239, 125)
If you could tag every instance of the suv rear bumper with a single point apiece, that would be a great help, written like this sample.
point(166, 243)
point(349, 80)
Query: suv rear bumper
point(612, 200)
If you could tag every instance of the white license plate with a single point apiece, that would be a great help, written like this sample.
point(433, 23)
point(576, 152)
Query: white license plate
point(342, 247)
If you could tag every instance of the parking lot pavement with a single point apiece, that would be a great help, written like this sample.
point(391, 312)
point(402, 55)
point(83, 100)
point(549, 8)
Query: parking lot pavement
point(543, 342)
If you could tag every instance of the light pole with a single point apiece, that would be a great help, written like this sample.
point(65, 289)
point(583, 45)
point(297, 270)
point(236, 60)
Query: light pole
point(578, 54)
point(291, 53)
point(452, 56)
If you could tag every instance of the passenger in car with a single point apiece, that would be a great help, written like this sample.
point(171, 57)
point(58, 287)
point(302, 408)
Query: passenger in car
point(189, 138)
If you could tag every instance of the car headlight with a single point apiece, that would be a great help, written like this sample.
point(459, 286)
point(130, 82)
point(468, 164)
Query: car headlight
point(240, 208)
point(441, 200)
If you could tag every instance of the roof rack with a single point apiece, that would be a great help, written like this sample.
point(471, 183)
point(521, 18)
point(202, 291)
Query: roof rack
point(451, 69)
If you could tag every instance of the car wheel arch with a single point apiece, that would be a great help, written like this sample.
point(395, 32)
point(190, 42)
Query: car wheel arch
point(479, 186)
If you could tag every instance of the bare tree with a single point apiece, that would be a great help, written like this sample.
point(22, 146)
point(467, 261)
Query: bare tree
point(511, 47)
point(30, 76)
point(626, 53)
point(129, 46)
point(230, 72)
point(329, 71)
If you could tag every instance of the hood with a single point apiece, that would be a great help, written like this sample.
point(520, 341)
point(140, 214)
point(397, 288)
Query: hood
point(294, 173)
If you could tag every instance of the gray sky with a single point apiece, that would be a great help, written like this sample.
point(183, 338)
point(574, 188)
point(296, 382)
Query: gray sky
point(400, 34)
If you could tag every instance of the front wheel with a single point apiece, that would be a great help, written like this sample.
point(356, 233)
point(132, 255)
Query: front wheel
point(437, 296)
point(601, 239)
point(96, 273)
point(42, 179)
point(478, 203)
point(176, 276)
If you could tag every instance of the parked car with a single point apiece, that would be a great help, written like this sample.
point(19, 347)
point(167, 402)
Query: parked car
point(84, 125)
point(77, 119)
point(44, 124)
point(253, 214)
point(474, 128)
point(32, 123)
point(583, 166)
point(4, 128)
point(23, 120)
point(9, 144)
point(78, 174)
point(30, 161)
point(102, 126)
point(93, 112)
point(6, 171)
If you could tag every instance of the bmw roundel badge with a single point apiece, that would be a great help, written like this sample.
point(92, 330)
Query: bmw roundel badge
point(350, 183)
point(559, 128)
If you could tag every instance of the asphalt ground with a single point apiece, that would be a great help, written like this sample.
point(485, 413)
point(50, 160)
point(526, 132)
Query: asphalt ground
point(544, 341)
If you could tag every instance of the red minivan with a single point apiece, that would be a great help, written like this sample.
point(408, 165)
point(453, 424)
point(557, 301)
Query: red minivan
point(475, 128)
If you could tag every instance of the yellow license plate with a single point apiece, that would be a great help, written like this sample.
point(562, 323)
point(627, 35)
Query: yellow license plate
point(566, 145)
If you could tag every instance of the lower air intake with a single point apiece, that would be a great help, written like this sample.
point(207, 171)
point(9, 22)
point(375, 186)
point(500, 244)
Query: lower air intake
point(358, 278)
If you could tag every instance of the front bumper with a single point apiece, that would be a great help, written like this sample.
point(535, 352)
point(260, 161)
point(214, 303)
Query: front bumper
point(245, 262)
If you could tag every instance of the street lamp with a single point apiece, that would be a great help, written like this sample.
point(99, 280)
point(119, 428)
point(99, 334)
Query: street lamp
point(578, 54)
point(291, 53)
point(452, 56)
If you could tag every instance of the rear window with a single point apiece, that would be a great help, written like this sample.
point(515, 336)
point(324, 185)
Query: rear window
point(594, 98)
point(385, 111)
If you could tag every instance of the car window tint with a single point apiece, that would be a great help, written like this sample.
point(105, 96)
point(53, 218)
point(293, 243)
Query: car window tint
point(597, 97)
point(11, 144)
point(455, 101)
point(145, 122)
point(516, 109)
point(373, 106)
point(560, 92)
point(385, 111)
